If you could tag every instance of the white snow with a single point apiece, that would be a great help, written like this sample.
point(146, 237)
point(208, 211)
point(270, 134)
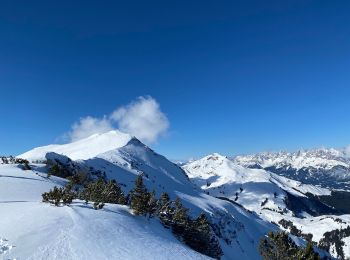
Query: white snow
point(41, 231)
point(113, 233)
point(318, 159)
point(221, 177)
point(255, 189)
point(82, 149)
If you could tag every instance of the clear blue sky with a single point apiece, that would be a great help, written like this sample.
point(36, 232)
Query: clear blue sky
point(232, 76)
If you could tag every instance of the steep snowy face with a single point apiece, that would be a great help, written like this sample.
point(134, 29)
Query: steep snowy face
point(326, 167)
point(82, 149)
point(125, 163)
point(255, 189)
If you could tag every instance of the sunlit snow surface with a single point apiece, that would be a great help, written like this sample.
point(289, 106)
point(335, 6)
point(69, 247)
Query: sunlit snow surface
point(30, 229)
point(42, 231)
point(82, 149)
point(262, 192)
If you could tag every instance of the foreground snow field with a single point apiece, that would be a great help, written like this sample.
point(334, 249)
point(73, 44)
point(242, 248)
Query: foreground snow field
point(30, 229)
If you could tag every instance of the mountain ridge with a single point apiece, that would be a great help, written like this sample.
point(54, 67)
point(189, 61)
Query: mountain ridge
point(329, 168)
point(275, 198)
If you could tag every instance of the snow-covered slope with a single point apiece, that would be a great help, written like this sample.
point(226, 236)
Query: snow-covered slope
point(327, 167)
point(253, 188)
point(30, 229)
point(271, 196)
point(82, 149)
point(238, 230)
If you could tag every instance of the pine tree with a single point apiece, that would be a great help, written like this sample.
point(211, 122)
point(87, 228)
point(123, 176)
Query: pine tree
point(112, 193)
point(152, 204)
point(308, 253)
point(58, 195)
point(279, 246)
point(165, 211)
point(180, 218)
point(139, 197)
point(200, 237)
point(94, 191)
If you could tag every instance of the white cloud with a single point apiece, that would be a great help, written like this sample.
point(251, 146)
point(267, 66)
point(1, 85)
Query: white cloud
point(142, 118)
point(88, 126)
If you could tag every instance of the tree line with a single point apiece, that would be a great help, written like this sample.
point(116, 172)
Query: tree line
point(196, 233)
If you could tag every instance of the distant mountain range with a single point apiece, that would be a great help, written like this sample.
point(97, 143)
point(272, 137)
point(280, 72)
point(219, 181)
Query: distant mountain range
point(304, 210)
point(329, 168)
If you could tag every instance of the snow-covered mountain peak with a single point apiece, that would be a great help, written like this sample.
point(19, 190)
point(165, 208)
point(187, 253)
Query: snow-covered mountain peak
point(221, 167)
point(325, 166)
point(83, 149)
point(222, 177)
point(215, 156)
point(317, 158)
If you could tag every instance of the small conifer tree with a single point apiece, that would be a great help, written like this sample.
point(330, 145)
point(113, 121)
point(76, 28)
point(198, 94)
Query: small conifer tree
point(152, 204)
point(180, 218)
point(139, 197)
point(165, 211)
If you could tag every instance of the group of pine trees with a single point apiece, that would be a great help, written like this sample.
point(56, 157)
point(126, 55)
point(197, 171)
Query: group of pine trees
point(58, 196)
point(279, 245)
point(14, 160)
point(335, 237)
point(101, 192)
point(196, 233)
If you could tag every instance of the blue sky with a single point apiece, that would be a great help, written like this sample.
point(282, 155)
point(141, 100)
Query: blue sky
point(230, 76)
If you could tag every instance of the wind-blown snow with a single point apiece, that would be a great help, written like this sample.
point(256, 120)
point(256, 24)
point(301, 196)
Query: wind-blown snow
point(82, 149)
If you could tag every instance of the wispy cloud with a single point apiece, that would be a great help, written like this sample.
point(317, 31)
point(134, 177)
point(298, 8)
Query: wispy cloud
point(142, 118)
point(88, 126)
